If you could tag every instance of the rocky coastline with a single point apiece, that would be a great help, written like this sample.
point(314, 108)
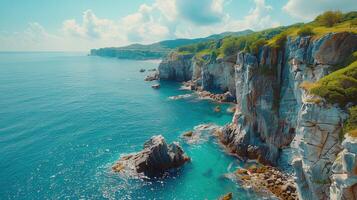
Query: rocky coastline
point(277, 122)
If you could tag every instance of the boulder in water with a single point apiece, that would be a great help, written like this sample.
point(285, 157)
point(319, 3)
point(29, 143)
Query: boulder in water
point(217, 109)
point(156, 158)
point(156, 86)
point(152, 77)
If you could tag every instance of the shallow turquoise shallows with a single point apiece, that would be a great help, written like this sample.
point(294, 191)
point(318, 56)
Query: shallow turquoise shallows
point(65, 118)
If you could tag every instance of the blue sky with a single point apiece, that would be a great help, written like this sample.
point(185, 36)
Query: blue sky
point(79, 25)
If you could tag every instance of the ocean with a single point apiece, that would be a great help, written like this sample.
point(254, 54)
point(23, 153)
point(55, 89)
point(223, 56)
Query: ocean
point(65, 118)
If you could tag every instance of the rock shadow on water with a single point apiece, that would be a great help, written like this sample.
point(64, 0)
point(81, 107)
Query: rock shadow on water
point(208, 173)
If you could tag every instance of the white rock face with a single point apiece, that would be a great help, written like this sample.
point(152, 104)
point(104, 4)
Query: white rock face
point(219, 75)
point(344, 172)
point(176, 67)
point(316, 145)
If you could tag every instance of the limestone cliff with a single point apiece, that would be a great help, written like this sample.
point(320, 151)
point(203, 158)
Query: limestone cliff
point(211, 74)
point(276, 121)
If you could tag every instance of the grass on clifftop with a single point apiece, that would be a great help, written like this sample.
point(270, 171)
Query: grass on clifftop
point(231, 45)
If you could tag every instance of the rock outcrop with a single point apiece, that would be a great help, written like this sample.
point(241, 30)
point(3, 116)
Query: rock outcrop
point(156, 158)
point(344, 172)
point(276, 122)
point(176, 67)
point(152, 77)
point(210, 74)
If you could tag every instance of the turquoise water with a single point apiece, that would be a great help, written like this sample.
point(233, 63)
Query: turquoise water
point(65, 118)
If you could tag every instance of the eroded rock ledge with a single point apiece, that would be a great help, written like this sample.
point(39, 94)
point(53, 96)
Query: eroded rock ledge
point(156, 158)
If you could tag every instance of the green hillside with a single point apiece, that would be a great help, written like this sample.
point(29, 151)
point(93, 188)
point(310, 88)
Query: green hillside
point(159, 49)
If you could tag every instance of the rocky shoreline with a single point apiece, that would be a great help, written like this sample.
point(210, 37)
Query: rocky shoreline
point(269, 180)
point(226, 97)
point(276, 122)
point(262, 179)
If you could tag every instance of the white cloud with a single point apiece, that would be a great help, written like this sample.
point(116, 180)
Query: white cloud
point(309, 9)
point(167, 8)
point(143, 27)
point(92, 27)
point(150, 23)
point(203, 12)
point(258, 18)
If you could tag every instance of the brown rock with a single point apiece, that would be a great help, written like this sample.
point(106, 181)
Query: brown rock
point(188, 134)
point(242, 172)
point(154, 159)
point(217, 109)
point(228, 196)
point(336, 49)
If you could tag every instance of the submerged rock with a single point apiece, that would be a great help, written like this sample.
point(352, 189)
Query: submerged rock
point(228, 196)
point(188, 134)
point(142, 70)
point(201, 133)
point(217, 109)
point(181, 96)
point(156, 86)
point(156, 158)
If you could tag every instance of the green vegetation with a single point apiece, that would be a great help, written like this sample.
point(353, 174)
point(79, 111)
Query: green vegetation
point(327, 22)
point(279, 41)
point(255, 46)
point(231, 45)
point(350, 125)
point(322, 181)
point(305, 31)
point(329, 18)
point(161, 49)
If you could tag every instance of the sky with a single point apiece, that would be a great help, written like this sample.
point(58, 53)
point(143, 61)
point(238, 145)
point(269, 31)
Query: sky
point(80, 25)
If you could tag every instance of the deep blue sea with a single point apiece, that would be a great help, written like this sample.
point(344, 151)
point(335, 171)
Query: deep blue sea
point(65, 118)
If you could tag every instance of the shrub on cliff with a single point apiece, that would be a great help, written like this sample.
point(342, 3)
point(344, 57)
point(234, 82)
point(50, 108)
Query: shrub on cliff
point(230, 46)
point(338, 87)
point(305, 31)
point(329, 18)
